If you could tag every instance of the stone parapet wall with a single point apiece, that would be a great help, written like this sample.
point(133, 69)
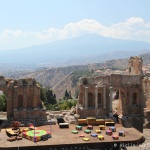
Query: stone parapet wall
point(23, 114)
point(113, 79)
point(96, 92)
point(88, 112)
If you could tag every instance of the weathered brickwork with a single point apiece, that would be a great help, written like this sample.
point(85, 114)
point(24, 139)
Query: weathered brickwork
point(97, 98)
point(96, 93)
point(135, 65)
point(23, 98)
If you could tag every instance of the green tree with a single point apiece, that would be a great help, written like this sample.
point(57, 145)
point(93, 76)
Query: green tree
point(76, 92)
point(3, 102)
point(66, 94)
point(51, 98)
point(43, 94)
point(47, 96)
point(54, 96)
point(70, 97)
point(64, 106)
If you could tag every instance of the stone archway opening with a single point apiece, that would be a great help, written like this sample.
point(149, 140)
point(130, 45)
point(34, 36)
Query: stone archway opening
point(115, 100)
point(116, 94)
point(85, 81)
point(90, 100)
point(134, 98)
point(99, 100)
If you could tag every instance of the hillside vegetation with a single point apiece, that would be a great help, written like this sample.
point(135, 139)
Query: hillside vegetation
point(146, 58)
point(62, 78)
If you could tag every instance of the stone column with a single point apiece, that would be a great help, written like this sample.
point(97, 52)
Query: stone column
point(78, 102)
point(96, 97)
point(120, 100)
point(78, 98)
point(34, 97)
point(25, 102)
point(104, 97)
point(146, 86)
point(10, 109)
point(110, 102)
point(149, 88)
point(86, 97)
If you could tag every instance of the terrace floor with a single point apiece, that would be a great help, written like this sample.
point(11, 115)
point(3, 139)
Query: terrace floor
point(64, 137)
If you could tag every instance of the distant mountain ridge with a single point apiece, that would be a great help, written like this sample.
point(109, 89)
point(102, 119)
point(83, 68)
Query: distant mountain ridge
point(86, 49)
point(59, 78)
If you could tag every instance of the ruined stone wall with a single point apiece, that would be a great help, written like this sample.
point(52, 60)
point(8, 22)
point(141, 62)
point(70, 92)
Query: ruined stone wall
point(146, 89)
point(135, 65)
point(26, 114)
point(113, 79)
point(23, 97)
point(130, 94)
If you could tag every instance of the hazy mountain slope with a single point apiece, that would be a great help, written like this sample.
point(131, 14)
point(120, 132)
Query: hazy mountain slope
point(60, 78)
point(66, 82)
point(50, 77)
point(146, 58)
point(60, 87)
point(83, 48)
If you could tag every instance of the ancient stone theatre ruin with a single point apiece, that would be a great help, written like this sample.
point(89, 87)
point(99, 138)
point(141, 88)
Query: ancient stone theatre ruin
point(96, 93)
point(23, 98)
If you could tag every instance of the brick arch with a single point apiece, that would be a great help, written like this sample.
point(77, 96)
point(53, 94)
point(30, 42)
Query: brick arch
point(85, 81)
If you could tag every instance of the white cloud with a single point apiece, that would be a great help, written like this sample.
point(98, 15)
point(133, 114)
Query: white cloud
point(133, 28)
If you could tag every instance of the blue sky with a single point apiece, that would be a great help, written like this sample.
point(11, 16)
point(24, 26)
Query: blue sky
point(30, 22)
